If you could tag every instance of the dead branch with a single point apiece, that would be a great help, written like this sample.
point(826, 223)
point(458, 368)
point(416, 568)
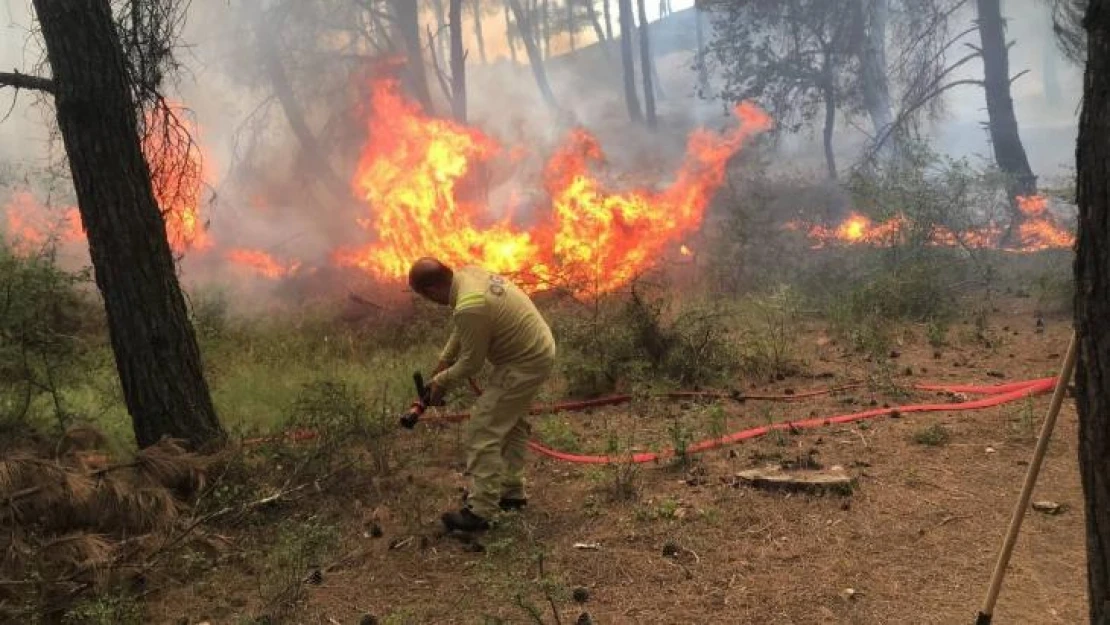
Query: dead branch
point(20, 80)
point(442, 78)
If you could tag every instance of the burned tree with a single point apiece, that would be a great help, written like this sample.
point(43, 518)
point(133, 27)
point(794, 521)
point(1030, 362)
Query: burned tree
point(874, 85)
point(408, 22)
point(458, 63)
point(477, 10)
point(1092, 306)
point(631, 100)
point(535, 56)
point(97, 98)
point(646, 66)
point(1009, 152)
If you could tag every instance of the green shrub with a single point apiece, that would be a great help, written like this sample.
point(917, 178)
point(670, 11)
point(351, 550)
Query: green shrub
point(935, 435)
point(44, 317)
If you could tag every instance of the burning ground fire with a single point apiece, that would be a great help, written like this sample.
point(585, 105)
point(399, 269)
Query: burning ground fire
point(417, 176)
point(413, 176)
point(1038, 231)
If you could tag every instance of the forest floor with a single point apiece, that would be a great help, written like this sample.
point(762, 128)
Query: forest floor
point(682, 542)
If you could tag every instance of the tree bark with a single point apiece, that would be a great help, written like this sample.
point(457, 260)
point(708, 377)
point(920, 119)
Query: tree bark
point(269, 36)
point(595, 21)
point(699, 59)
point(830, 123)
point(646, 66)
point(1092, 307)
point(631, 100)
point(570, 23)
point(476, 7)
point(608, 19)
point(1008, 149)
point(534, 57)
point(156, 351)
point(441, 25)
point(545, 21)
point(409, 23)
point(458, 63)
point(873, 75)
point(509, 34)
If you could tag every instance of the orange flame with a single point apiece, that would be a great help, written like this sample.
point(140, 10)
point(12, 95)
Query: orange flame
point(685, 251)
point(1038, 231)
point(178, 169)
point(413, 174)
point(31, 227)
point(260, 262)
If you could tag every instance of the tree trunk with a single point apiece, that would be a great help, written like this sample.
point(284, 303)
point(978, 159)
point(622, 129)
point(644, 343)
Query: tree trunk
point(534, 57)
point(155, 347)
point(630, 98)
point(458, 63)
point(646, 66)
point(699, 59)
point(595, 21)
point(570, 23)
point(608, 19)
point(509, 34)
point(409, 23)
point(830, 123)
point(444, 49)
point(476, 7)
point(545, 21)
point(1008, 149)
point(269, 38)
point(1092, 307)
point(873, 76)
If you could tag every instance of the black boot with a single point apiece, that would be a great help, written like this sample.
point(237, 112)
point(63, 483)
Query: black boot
point(512, 503)
point(464, 521)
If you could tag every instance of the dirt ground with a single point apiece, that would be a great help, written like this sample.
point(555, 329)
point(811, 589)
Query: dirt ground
point(915, 542)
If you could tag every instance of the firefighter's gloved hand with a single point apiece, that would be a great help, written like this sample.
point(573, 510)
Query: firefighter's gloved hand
point(409, 419)
point(435, 395)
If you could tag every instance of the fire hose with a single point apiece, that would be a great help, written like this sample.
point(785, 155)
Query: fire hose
point(994, 395)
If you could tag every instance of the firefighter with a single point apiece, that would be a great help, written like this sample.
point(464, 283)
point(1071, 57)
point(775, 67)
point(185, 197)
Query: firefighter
point(493, 320)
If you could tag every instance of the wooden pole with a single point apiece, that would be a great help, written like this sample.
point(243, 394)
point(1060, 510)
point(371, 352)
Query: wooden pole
point(1066, 370)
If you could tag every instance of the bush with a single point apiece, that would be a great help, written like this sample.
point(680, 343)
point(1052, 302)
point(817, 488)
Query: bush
point(642, 338)
point(340, 415)
point(935, 435)
point(43, 317)
point(771, 325)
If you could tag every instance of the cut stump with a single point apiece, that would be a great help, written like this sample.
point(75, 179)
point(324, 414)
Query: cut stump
point(772, 477)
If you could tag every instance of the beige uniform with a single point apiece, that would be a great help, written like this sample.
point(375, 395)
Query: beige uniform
point(494, 320)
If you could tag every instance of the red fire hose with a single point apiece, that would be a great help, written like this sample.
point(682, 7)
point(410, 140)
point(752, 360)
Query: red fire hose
point(995, 396)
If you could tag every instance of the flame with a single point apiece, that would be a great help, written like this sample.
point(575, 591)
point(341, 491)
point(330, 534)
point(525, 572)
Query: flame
point(31, 226)
point(260, 262)
point(1037, 231)
point(685, 251)
point(413, 175)
point(178, 168)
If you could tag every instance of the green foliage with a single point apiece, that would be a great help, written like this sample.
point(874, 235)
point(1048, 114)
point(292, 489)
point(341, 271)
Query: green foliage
point(108, 609)
point(557, 432)
point(300, 547)
point(935, 435)
point(340, 415)
point(770, 327)
point(625, 340)
point(43, 314)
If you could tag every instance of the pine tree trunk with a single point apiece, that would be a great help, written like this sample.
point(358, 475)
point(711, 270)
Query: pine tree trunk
point(155, 347)
point(509, 33)
point(1008, 149)
point(631, 100)
point(458, 63)
point(703, 68)
point(608, 19)
point(476, 7)
point(570, 23)
point(830, 124)
point(443, 45)
point(646, 66)
point(1092, 307)
point(409, 23)
point(534, 55)
point(873, 75)
point(595, 21)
